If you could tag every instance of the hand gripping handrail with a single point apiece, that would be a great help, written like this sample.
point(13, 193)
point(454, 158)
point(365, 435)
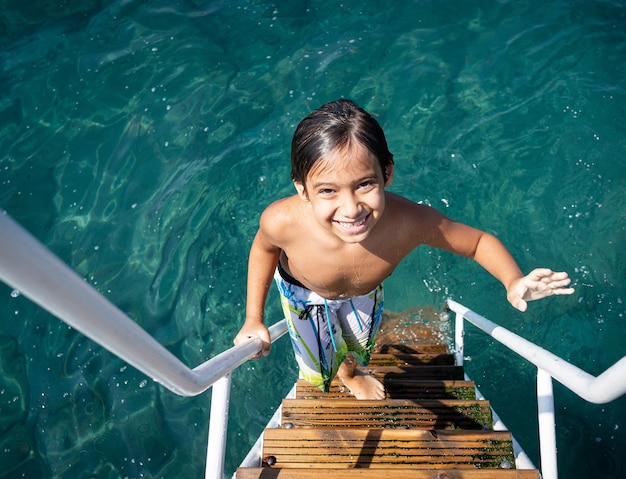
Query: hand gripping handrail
point(608, 386)
point(29, 267)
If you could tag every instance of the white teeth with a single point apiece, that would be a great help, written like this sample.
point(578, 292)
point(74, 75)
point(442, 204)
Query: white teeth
point(355, 224)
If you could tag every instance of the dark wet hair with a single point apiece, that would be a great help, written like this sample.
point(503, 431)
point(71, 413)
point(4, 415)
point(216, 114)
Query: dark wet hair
point(332, 126)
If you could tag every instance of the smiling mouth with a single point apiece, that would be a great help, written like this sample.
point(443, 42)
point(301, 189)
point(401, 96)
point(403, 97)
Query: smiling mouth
point(353, 225)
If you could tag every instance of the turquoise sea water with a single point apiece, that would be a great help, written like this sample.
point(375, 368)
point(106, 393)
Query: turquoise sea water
point(140, 141)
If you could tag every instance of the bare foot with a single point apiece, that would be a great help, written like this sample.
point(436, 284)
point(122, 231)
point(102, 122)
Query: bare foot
point(364, 386)
point(360, 384)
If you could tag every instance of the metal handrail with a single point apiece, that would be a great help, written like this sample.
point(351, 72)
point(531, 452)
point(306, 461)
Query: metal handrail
point(29, 267)
point(606, 387)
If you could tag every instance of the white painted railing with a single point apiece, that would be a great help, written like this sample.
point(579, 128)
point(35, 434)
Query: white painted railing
point(608, 386)
point(29, 267)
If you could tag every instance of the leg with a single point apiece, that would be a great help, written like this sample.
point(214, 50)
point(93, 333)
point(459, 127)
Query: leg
point(360, 318)
point(310, 330)
point(362, 385)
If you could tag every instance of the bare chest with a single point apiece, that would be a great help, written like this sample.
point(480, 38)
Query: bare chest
point(338, 274)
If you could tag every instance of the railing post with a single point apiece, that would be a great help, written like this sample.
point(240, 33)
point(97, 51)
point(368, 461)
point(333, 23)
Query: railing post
point(459, 334)
point(218, 425)
point(547, 425)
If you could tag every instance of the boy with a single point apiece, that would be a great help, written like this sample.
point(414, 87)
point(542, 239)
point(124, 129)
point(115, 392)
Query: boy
point(330, 246)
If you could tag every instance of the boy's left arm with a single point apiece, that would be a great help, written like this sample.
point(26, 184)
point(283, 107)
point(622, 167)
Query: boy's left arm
point(435, 229)
point(491, 254)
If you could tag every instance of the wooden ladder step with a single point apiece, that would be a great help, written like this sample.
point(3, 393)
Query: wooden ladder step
point(396, 389)
point(410, 473)
point(386, 448)
point(417, 359)
point(383, 373)
point(417, 348)
point(430, 426)
point(392, 413)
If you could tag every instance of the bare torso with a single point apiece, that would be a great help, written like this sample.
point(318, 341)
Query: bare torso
point(335, 269)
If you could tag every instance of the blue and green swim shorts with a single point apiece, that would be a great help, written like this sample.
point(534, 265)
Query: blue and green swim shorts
point(323, 331)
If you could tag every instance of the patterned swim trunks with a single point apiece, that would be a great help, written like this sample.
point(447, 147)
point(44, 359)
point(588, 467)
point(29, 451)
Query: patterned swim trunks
point(311, 318)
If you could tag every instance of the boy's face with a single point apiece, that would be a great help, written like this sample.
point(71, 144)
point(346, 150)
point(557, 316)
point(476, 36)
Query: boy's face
point(346, 192)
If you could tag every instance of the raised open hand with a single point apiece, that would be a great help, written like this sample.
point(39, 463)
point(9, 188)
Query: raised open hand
point(537, 284)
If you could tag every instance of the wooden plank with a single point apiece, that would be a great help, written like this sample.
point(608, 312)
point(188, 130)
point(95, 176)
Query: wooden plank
point(393, 413)
point(463, 436)
point(411, 348)
point(396, 389)
point(380, 448)
point(329, 439)
point(361, 473)
point(399, 388)
point(417, 359)
point(415, 372)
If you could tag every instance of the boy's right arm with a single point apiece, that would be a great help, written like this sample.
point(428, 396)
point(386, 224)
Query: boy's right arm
point(262, 263)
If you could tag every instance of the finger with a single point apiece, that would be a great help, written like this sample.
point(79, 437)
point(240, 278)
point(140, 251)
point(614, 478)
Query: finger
point(556, 283)
point(265, 351)
point(239, 339)
point(564, 291)
point(560, 275)
point(552, 288)
point(266, 346)
point(562, 278)
point(518, 303)
point(540, 273)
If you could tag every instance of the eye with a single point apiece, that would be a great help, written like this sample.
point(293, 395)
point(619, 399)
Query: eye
point(326, 191)
point(367, 184)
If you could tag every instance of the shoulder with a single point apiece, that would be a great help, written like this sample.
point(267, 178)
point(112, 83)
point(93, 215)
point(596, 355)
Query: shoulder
point(422, 223)
point(280, 217)
point(432, 227)
point(402, 208)
point(281, 211)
